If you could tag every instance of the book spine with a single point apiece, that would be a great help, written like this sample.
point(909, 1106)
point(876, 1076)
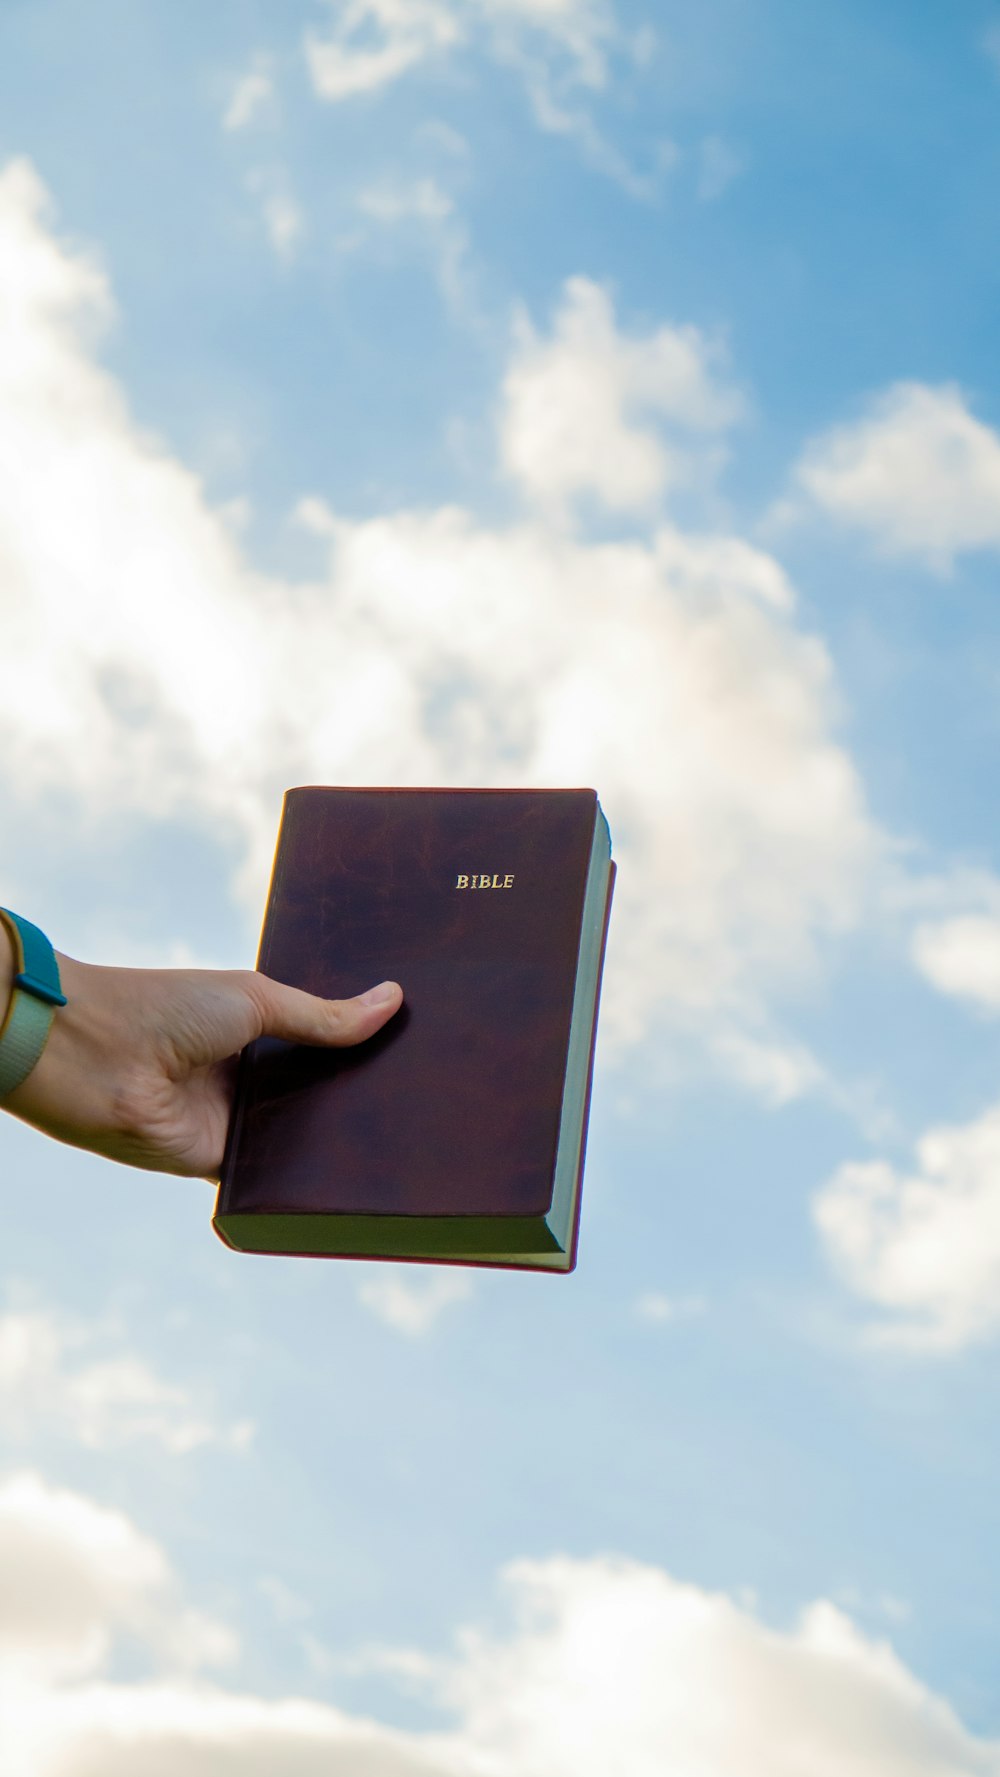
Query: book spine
point(612, 874)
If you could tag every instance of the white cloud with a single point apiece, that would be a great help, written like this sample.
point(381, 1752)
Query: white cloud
point(919, 473)
point(252, 96)
point(952, 922)
point(608, 1665)
point(374, 42)
point(558, 49)
point(584, 30)
point(584, 410)
point(280, 211)
point(411, 1305)
point(405, 33)
point(925, 1244)
point(668, 671)
point(777, 1072)
point(284, 222)
point(553, 90)
point(961, 956)
point(77, 1575)
point(49, 1378)
point(73, 1573)
point(614, 1666)
point(654, 672)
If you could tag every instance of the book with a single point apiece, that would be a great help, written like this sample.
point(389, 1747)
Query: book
point(456, 1134)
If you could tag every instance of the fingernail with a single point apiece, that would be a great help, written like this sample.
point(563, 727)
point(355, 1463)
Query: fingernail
point(377, 996)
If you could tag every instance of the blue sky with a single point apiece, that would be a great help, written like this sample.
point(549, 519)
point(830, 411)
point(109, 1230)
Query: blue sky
point(520, 391)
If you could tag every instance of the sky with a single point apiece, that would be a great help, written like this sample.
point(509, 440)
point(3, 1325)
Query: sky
point(518, 393)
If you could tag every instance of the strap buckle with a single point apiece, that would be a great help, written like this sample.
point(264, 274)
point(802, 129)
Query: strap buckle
point(39, 990)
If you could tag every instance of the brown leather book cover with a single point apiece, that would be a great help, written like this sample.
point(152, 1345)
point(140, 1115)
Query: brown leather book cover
point(450, 1135)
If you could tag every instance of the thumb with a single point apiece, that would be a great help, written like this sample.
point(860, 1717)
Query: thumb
point(299, 1017)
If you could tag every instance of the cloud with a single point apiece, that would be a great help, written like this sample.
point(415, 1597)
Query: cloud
point(558, 49)
point(613, 1665)
point(374, 42)
point(280, 211)
point(49, 1378)
point(283, 219)
point(76, 1575)
point(559, 115)
point(777, 1072)
point(919, 473)
point(73, 1573)
point(584, 30)
point(952, 922)
point(961, 956)
point(405, 33)
point(658, 673)
point(563, 64)
point(252, 96)
point(668, 671)
point(923, 1245)
point(606, 1665)
point(584, 409)
point(411, 1305)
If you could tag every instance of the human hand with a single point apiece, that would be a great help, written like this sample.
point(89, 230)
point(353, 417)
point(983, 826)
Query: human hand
point(140, 1064)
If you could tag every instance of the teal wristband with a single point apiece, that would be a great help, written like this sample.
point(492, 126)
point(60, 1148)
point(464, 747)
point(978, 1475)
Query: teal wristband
point(36, 992)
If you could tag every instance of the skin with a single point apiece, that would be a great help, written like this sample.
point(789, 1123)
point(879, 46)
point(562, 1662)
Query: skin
point(140, 1065)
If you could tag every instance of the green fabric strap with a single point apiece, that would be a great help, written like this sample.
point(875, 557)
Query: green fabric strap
point(36, 993)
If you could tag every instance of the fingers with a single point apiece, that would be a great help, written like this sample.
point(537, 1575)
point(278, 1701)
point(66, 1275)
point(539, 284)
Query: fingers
point(299, 1017)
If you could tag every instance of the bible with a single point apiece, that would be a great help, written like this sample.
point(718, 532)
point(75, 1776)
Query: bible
point(457, 1133)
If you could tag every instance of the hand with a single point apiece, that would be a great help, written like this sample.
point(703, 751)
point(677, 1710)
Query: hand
point(140, 1064)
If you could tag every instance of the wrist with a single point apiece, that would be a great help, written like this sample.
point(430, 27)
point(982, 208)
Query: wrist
point(34, 992)
point(6, 968)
